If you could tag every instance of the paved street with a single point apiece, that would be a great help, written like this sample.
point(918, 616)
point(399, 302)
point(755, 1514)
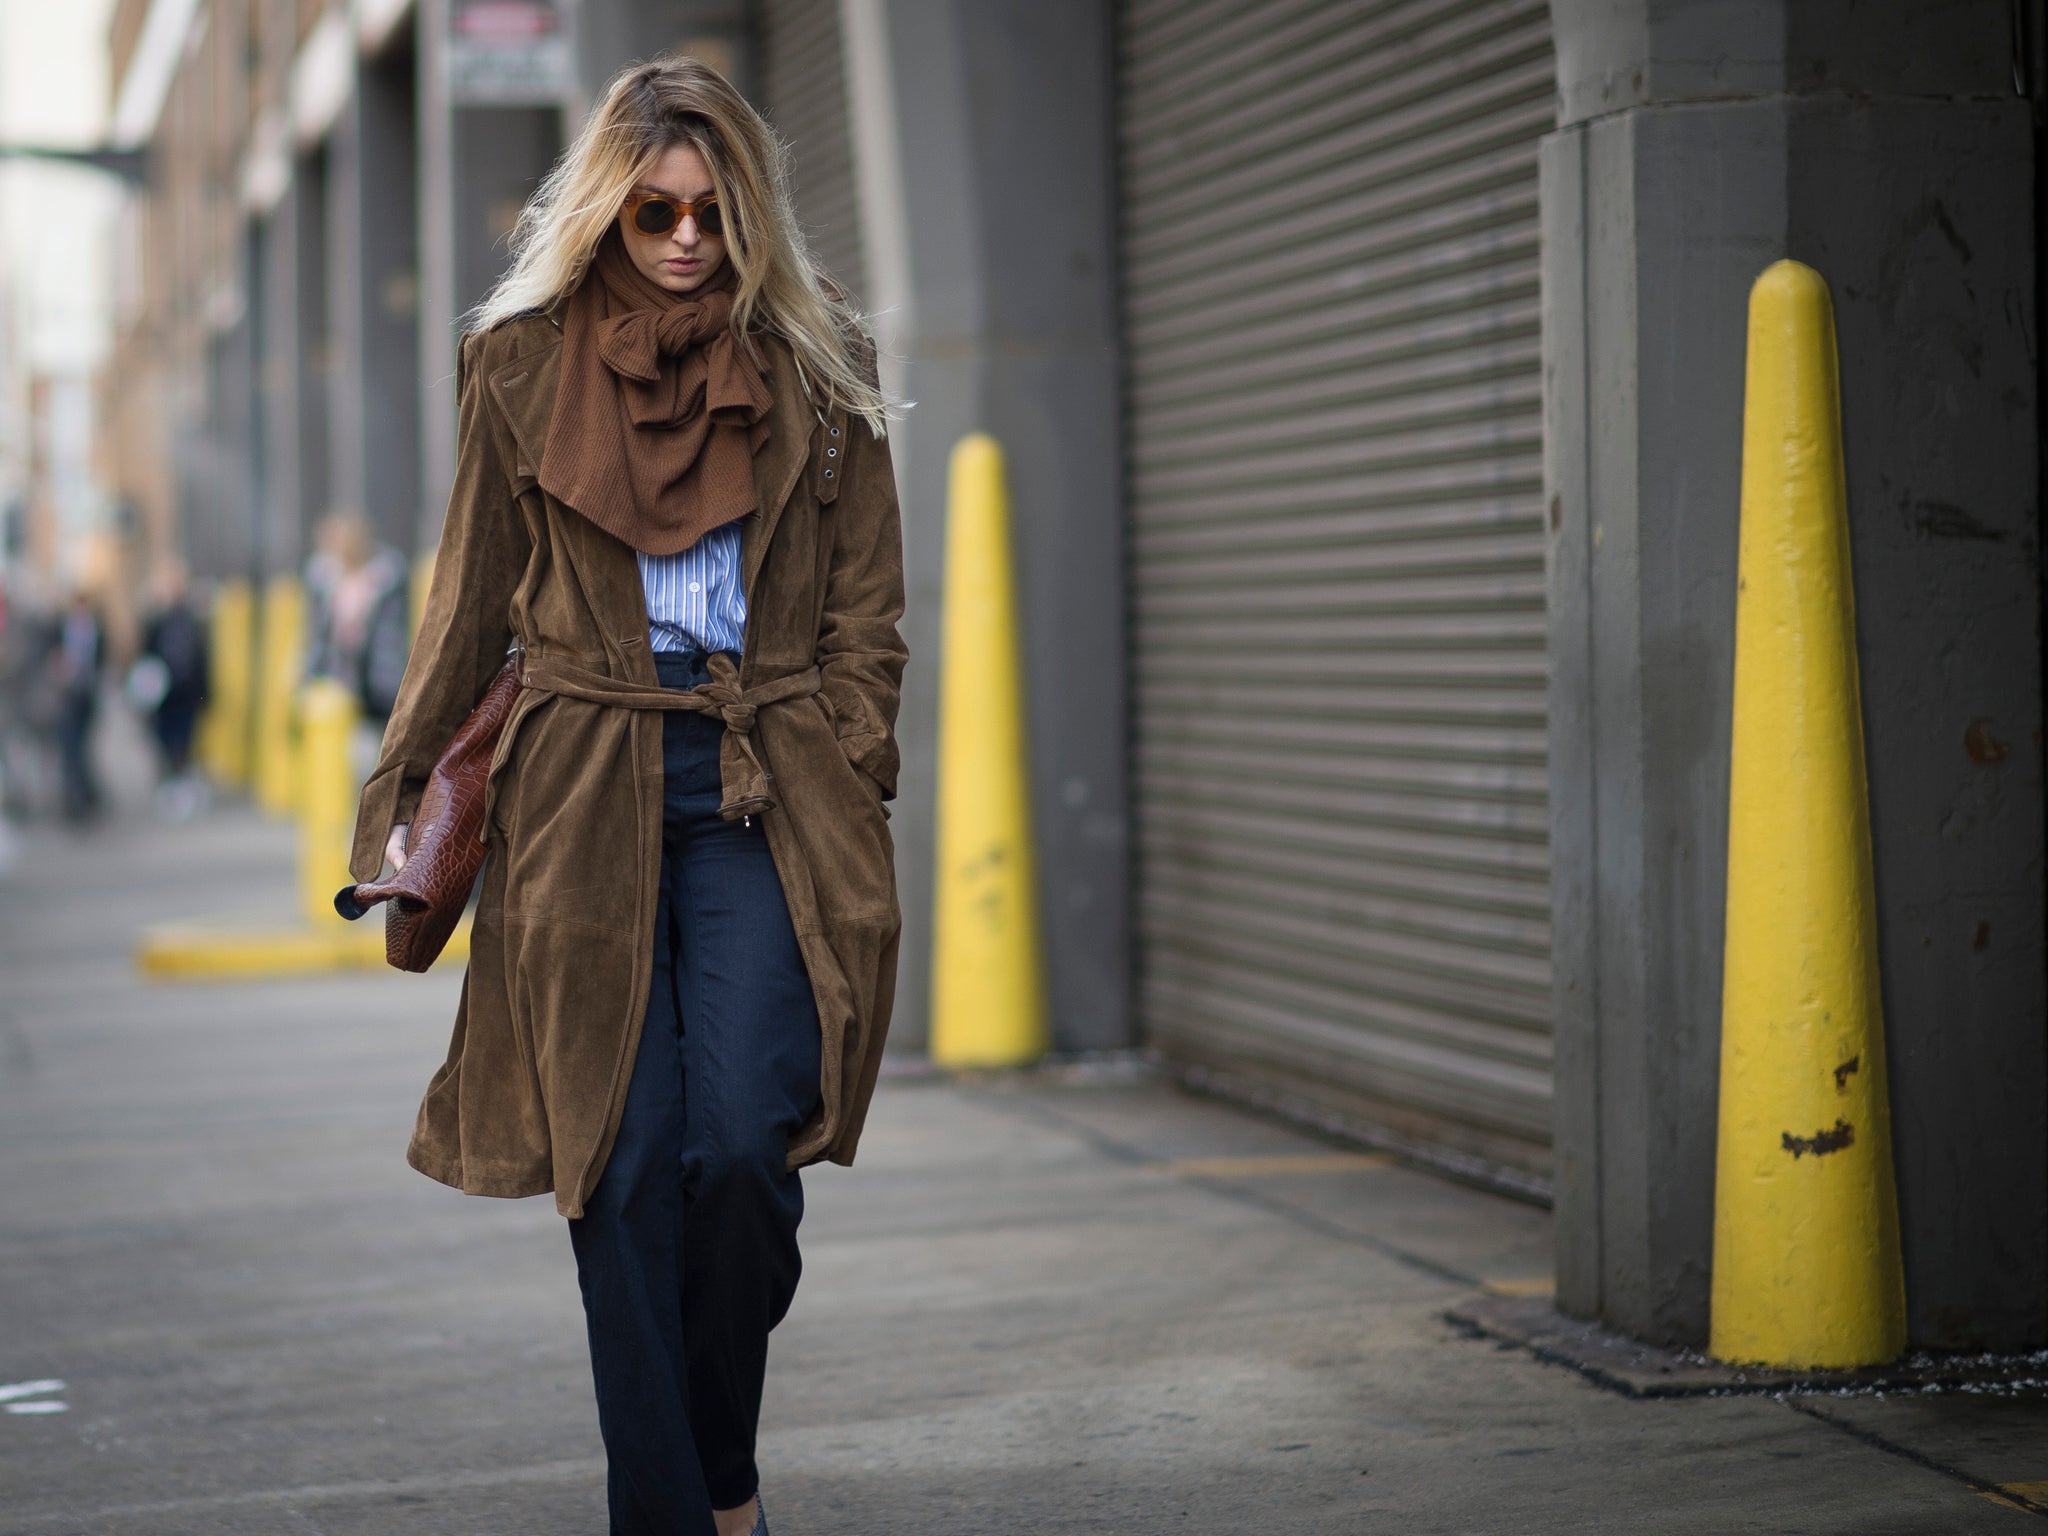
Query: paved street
point(1074, 1301)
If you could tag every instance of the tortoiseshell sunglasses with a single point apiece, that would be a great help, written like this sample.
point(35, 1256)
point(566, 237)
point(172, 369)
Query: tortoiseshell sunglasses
point(656, 213)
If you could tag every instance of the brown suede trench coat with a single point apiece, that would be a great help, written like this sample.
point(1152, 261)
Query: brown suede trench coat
point(545, 1035)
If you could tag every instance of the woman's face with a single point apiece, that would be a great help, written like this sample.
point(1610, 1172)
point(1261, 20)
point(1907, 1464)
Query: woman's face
point(685, 258)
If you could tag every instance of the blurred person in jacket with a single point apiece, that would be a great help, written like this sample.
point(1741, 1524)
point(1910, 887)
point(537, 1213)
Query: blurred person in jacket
point(76, 658)
point(360, 596)
point(12, 695)
point(168, 682)
point(29, 706)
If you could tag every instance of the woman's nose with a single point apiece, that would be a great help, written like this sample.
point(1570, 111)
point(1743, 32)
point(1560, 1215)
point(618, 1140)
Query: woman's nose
point(687, 233)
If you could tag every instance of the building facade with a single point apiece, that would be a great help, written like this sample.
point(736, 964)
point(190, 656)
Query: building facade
point(1370, 376)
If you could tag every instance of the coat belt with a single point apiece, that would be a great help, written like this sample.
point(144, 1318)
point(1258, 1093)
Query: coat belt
point(748, 783)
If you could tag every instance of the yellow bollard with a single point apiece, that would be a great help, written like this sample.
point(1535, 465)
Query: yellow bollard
point(279, 658)
point(319, 942)
point(1806, 1229)
point(988, 988)
point(327, 809)
point(205, 949)
point(224, 729)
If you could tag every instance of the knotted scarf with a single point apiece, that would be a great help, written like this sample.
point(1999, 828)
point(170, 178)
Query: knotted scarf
point(659, 412)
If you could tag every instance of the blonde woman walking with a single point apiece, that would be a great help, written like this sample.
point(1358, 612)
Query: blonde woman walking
point(674, 505)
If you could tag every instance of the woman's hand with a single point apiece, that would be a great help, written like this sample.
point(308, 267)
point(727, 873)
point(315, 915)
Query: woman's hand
point(394, 846)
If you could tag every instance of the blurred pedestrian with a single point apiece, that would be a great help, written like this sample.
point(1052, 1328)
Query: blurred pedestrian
point(31, 700)
point(168, 681)
point(358, 591)
point(76, 659)
point(674, 503)
point(10, 713)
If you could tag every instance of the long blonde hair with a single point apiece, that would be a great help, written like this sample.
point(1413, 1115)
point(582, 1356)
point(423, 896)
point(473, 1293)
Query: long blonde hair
point(648, 109)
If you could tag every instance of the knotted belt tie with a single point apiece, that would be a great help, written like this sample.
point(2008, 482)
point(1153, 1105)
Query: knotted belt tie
point(747, 780)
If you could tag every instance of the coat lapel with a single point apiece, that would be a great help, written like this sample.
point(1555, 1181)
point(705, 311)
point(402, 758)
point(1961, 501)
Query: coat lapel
point(780, 462)
point(525, 391)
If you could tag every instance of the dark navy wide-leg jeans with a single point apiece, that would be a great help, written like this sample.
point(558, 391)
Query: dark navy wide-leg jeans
point(687, 1249)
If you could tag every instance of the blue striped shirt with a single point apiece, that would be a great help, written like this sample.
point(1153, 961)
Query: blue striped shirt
point(694, 598)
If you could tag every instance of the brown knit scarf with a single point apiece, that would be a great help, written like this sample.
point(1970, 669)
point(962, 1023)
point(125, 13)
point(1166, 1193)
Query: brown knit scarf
point(659, 413)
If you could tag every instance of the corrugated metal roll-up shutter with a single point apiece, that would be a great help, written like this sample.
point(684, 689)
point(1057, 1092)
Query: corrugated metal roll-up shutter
point(804, 82)
point(1329, 248)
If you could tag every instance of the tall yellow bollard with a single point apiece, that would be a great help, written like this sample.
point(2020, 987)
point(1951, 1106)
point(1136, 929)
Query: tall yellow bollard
point(988, 987)
point(327, 803)
point(231, 641)
point(279, 658)
point(1806, 1229)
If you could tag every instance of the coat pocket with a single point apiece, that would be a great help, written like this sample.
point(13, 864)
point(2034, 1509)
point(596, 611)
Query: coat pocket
point(569, 817)
point(836, 812)
point(863, 748)
point(501, 756)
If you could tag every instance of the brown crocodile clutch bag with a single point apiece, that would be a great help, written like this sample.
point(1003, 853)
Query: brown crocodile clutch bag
point(444, 846)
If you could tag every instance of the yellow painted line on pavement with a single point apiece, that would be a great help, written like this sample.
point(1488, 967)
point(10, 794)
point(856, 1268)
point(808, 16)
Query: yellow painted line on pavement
point(1267, 1167)
point(194, 952)
point(1533, 1286)
point(2008, 1496)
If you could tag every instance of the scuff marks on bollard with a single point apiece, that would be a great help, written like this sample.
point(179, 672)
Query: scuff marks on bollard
point(1820, 1143)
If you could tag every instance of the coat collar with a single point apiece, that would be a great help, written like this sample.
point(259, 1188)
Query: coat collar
point(524, 388)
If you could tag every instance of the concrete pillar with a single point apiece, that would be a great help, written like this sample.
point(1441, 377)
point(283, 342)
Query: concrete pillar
point(292, 330)
point(611, 34)
point(276, 420)
point(373, 284)
point(313, 487)
point(973, 123)
point(205, 276)
point(239, 410)
point(1696, 145)
point(478, 164)
point(212, 451)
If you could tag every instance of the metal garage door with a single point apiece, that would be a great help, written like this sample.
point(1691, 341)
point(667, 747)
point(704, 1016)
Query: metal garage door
point(804, 84)
point(1330, 304)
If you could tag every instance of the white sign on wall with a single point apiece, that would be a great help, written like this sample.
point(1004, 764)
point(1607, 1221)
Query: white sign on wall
point(508, 53)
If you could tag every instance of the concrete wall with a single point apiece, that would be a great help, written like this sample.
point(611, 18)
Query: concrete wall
point(1698, 143)
point(373, 300)
point(983, 148)
point(291, 404)
point(477, 167)
point(611, 34)
point(215, 453)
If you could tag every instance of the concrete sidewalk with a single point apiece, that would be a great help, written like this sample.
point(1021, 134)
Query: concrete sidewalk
point(1068, 1301)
